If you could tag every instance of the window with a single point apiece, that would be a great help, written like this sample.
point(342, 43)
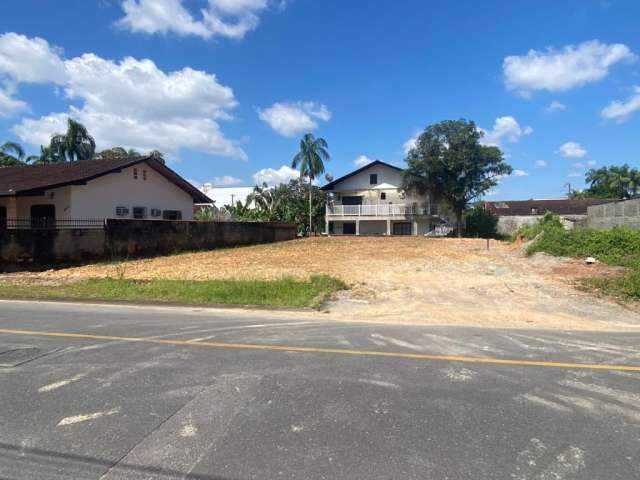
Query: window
point(122, 211)
point(403, 228)
point(156, 212)
point(383, 196)
point(139, 212)
point(172, 215)
point(135, 173)
point(534, 210)
point(144, 175)
point(373, 179)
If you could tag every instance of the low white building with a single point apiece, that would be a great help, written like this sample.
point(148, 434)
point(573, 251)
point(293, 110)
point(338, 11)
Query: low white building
point(134, 188)
point(371, 201)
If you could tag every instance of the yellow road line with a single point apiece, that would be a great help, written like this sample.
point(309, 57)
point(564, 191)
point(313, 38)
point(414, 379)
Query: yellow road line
point(338, 351)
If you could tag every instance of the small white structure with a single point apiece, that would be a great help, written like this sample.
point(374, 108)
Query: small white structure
point(371, 201)
point(222, 196)
point(134, 188)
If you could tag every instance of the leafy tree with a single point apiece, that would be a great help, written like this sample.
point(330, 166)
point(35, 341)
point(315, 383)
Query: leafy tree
point(614, 182)
point(294, 208)
point(267, 200)
point(12, 154)
point(205, 214)
point(117, 152)
point(310, 159)
point(240, 210)
point(75, 144)
point(449, 163)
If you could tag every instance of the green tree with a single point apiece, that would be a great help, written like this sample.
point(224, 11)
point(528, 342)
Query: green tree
point(75, 144)
point(611, 182)
point(294, 207)
point(480, 223)
point(310, 160)
point(117, 152)
point(449, 163)
point(267, 200)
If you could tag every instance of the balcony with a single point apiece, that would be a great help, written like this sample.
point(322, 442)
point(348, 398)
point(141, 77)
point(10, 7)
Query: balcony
point(378, 210)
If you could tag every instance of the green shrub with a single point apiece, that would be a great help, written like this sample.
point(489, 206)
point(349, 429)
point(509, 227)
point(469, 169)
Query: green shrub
point(548, 222)
point(480, 223)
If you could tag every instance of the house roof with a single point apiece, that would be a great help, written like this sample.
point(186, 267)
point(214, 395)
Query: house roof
point(566, 206)
point(330, 185)
point(34, 179)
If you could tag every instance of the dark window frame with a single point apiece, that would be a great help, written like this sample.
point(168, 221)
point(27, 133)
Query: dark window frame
point(173, 215)
point(373, 179)
point(141, 214)
point(135, 173)
point(383, 196)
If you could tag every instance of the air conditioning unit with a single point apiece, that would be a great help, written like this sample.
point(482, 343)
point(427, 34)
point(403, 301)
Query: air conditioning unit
point(122, 211)
point(156, 212)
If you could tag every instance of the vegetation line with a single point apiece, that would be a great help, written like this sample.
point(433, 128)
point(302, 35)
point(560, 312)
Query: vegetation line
point(283, 293)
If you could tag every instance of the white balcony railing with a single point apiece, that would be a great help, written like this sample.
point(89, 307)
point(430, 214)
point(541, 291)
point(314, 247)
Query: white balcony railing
point(381, 210)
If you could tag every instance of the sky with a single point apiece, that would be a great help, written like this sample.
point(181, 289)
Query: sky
point(226, 88)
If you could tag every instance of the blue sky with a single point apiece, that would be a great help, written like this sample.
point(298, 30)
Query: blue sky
point(227, 87)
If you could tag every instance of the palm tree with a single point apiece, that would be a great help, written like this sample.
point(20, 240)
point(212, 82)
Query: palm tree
point(12, 154)
point(310, 159)
point(75, 144)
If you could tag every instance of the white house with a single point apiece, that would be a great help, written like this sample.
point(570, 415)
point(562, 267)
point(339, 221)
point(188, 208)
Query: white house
point(371, 201)
point(135, 187)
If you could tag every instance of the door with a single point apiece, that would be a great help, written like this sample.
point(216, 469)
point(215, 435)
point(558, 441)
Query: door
point(43, 216)
point(402, 228)
point(3, 217)
point(349, 228)
point(351, 200)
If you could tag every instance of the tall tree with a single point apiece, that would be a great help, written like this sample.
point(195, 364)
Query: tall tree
point(75, 144)
point(310, 160)
point(449, 163)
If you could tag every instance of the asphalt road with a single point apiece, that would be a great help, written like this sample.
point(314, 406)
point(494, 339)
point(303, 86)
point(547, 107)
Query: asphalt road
point(97, 392)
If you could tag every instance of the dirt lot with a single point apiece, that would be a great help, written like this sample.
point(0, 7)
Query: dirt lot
point(410, 279)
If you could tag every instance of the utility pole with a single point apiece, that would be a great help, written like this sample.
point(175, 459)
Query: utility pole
point(568, 185)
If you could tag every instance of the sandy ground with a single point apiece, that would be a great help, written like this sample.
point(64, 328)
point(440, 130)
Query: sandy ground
point(405, 280)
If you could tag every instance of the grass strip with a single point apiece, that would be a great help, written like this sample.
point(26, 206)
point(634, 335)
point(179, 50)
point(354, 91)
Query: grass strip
point(282, 293)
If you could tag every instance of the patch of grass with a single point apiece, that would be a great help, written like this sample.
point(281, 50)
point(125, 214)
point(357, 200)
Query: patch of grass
point(625, 288)
point(619, 246)
point(285, 292)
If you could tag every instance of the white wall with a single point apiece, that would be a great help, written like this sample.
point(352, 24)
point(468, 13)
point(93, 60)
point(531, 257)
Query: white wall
point(59, 197)
point(100, 197)
point(358, 185)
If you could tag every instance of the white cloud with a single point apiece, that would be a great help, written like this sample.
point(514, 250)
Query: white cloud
point(225, 181)
point(619, 110)
point(30, 60)
point(578, 165)
point(520, 173)
point(410, 144)
point(540, 163)
point(591, 163)
point(10, 105)
point(271, 176)
point(492, 193)
point(134, 104)
point(362, 160)
point(290, 119)
point(555, 106)
point(560, 70)
point(575, 175)
point(505, 129)
point(572, 150)
point(220, 18)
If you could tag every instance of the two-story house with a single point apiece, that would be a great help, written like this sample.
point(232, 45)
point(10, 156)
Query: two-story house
point(371, 201)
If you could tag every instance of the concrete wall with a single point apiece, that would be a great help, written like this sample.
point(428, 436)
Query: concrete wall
point(609, 215)
point(379, 227)
point(20, 207)
point(131, 238)
point(509, 224)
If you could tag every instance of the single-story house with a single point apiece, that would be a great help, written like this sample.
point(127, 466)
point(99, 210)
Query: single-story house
point(136, 188)
point(371, 201)
point(513, 214)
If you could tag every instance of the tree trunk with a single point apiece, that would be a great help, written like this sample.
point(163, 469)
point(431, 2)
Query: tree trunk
point(459, 221)
point(310, 215)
